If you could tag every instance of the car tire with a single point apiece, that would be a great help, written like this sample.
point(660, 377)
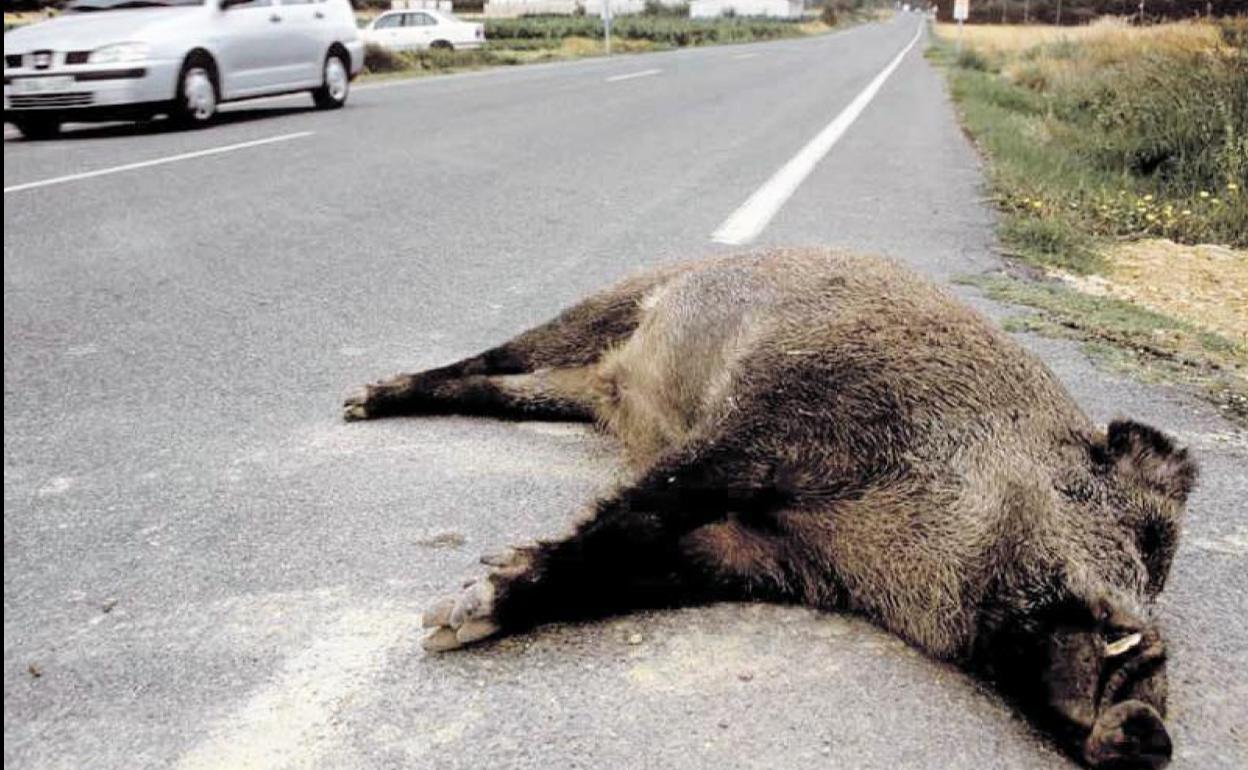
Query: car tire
point(198, 94)
point(335, 83)
point(37, 128)
point(442, 45)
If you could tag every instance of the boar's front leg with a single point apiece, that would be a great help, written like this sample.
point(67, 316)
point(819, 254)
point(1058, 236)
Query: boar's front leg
point(675, 538)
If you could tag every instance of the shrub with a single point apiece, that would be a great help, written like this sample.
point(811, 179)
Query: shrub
point(380, 59)
point(971, 59)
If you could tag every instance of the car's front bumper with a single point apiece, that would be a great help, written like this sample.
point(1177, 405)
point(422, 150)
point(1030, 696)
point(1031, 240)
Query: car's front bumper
point(83, 91)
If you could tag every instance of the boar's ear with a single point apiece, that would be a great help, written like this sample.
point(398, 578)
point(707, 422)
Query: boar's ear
point(1149, 457)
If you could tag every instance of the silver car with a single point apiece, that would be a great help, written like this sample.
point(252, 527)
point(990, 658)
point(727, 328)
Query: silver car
point(134, 59)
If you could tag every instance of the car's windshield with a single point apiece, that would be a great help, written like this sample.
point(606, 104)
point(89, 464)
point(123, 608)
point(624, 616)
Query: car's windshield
point(114, 5)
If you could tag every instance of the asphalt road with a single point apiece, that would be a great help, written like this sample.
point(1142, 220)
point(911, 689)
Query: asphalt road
point(205, 568)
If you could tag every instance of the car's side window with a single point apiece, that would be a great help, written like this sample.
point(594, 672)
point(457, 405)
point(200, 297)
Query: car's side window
point(390, 22)
point(297, 2)
point(421, 20)
point(252, 4)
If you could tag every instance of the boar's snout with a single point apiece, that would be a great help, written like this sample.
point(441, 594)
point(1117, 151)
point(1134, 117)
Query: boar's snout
point(1128, 735)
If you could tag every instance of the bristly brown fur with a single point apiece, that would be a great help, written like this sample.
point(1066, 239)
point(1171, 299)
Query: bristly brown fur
point(817, 427)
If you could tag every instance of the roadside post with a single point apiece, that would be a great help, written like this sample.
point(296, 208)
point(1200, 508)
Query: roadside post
point(961, 11)
point(606, 23)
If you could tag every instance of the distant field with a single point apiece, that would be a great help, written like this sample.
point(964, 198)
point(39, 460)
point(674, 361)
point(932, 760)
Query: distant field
point(551, 38)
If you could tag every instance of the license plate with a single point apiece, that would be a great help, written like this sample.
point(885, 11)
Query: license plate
point(50, 85)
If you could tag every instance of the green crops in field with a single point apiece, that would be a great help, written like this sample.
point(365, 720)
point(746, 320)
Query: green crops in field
point(663, 30)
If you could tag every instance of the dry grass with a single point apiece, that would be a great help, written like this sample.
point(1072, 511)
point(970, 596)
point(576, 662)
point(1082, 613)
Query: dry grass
point(1110, 39)
point(1036, 55)
point(1205, 286)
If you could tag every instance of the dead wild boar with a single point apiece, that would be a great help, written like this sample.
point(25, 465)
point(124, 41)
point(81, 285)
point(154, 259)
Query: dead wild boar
point(816, 427)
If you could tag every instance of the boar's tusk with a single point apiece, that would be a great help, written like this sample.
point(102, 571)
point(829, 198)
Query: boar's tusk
point(1118, 647)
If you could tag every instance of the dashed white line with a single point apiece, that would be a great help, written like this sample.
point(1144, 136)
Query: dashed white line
point(745, 56)
point(631, 75)
point(155, 162)
point(744, 224)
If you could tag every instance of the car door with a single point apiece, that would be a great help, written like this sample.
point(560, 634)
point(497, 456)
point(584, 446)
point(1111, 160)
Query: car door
point(243, 33)
point(387, 31)
point(422, 26)
point(301, 30)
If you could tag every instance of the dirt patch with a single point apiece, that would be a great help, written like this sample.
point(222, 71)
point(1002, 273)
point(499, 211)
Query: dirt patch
point(1206, 286)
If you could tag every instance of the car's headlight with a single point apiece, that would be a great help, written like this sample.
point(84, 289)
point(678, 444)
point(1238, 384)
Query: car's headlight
point(119, 52)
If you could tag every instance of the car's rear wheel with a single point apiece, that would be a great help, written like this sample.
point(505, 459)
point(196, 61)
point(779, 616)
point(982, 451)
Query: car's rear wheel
point(196, 103)
point(335, 83)
point(38, 127)
point(442, 45)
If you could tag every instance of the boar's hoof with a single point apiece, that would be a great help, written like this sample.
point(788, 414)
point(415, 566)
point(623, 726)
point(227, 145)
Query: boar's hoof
point(355, 406)
point(461, 620)
point(1129, 734)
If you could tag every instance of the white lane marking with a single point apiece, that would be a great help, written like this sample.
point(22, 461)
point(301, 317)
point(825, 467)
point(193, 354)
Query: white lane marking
point(744, 224)
point(155, 162)
point(631, 75)
point(292, 720)
point(745, 56)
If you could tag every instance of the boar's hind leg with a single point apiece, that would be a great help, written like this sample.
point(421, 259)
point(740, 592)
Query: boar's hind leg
point(664, 542)
point(547, 394)
point(492, 383)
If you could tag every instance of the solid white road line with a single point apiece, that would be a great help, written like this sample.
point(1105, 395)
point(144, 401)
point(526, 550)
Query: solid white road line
point(631, 75)
point(752, 216)
point(155, 162)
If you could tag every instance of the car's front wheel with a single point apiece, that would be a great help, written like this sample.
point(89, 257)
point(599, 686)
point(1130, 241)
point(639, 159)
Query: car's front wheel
point(196, 103)
point(37, 127)
point(335, 83)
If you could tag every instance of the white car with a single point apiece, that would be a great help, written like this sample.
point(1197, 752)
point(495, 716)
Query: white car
point(416, 30)
point(115, 59)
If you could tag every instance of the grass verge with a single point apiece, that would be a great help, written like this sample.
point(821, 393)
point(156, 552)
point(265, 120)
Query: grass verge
point(1112, 153)
point(1128, 338)
point(1107, 132)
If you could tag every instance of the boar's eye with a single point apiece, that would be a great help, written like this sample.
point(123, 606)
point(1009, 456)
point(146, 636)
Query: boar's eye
point(1122, 644)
